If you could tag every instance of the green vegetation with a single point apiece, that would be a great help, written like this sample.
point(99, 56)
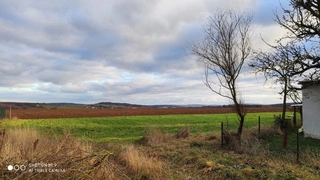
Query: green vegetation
point(169, 147)
point(130, 128)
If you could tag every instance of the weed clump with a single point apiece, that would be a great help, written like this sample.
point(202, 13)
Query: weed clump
point(184, 133)
point(153, 136)
point(231, 141)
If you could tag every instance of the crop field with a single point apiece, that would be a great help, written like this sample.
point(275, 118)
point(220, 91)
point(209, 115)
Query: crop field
point(130, 128)
point(38, 113)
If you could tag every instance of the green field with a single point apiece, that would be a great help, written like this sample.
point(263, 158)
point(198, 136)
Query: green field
point(130, 128)
point(199, 156)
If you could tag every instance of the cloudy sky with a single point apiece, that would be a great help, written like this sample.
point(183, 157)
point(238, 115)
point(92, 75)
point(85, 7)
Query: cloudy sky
point(133, 51)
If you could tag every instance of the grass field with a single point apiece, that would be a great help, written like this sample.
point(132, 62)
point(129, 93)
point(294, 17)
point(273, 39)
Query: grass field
point(130, 128)
point(110, 150)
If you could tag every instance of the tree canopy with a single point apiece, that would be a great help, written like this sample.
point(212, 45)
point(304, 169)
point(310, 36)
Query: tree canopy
point(303, 24)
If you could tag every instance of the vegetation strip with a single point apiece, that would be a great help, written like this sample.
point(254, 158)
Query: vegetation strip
point(169, 147)
point(130, 128)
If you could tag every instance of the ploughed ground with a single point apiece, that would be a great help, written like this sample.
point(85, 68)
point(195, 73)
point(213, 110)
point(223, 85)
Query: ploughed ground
point(39, 113)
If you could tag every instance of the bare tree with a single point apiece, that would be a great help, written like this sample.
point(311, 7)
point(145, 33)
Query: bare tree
point(223, 51)
point(279, 66)
point(299, 58)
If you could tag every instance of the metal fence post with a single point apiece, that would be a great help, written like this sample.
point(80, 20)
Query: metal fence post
point(295, 116)
point(259, 127)
point(298, 153)
point(221, 134)
point(2, 113)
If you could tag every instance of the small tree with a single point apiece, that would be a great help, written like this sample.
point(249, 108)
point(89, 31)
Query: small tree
point(299, 58)
point(223, 51)
point(279, 66)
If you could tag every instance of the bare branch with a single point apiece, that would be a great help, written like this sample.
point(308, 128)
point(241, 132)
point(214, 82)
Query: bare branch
point(303, 23)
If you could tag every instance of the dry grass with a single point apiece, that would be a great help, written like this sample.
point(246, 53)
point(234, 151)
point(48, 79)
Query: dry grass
point(201, 157)
point(266, 131)
point(252, 142)
point(184, 133)
point(23, 146)
point(313, 158)
point(162, 157)
point(231, 141)
point(252, 145)
point(141, 166)
point(152, 136)
point(76, 159)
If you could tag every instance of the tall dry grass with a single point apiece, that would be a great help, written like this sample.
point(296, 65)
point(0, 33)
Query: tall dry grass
point(78, 160)
point(251, 142)
point(152, 136)
point(74, 159)
point(141, 166)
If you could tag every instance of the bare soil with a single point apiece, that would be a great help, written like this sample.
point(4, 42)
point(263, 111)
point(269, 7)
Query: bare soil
point(81, 113)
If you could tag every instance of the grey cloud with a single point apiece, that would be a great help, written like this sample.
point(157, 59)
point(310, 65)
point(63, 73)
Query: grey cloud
point(104, 50)
point(132, 12)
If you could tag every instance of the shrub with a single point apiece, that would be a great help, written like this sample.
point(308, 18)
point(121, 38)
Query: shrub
point(153, 136)
point(231, 141)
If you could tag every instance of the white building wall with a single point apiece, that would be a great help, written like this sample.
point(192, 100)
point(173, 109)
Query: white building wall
point(311, 111)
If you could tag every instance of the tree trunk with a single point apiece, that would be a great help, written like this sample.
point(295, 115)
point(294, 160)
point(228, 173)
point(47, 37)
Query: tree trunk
point(240, 125)
point(241, 115)
point(239, 110)
point(284, 105)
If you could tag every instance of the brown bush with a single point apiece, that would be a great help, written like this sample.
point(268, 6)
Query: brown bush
point(153, 136)
point(231, 141)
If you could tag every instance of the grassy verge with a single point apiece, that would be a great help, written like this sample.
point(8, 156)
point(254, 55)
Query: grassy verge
point(32, 155)
point(163, 152)
point(131, 128)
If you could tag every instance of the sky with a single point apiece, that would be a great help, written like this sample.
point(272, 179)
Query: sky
point(85, 51)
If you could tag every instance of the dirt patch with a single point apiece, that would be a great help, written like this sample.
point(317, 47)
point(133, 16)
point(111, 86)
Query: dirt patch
point(80, 113)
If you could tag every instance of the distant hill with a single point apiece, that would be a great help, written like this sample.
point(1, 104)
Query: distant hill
point(63, 105)
point(28, 105)
point(115, 105)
